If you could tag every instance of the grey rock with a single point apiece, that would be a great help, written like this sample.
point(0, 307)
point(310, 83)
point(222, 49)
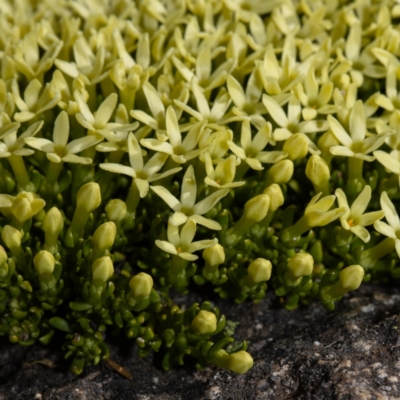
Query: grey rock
point(309, 353)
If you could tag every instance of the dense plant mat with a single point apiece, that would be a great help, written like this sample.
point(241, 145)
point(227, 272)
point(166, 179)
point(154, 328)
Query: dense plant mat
point(153, 146)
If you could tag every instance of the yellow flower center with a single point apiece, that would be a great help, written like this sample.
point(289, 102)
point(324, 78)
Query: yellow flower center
point(351, 222)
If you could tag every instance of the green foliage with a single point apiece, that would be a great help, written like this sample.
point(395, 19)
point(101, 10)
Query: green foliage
point(135, 134)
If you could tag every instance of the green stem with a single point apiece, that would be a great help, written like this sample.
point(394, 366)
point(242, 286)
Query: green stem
point(370, 256)
point(133, 198)
point(20, 173)
point(53, 172)
point(355, 169)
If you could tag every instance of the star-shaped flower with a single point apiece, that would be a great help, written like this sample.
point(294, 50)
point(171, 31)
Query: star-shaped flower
point(354, 218)
point(187, 208)
point(59, 150)
point(356, 144)
point(251, 150)
point(181, 243)
point(392, 229)
point(142, 173)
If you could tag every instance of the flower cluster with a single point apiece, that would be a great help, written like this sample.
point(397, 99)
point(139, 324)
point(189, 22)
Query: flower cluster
point(155, 145)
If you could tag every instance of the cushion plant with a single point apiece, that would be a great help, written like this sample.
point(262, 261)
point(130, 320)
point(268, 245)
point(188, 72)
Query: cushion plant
point(154, 145)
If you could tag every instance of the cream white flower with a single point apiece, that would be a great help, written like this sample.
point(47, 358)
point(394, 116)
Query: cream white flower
point(279, 77)
point(290, 123)
point(35, 99)
point(247, 103)
point(251, 150)
point(59, 150)
point(180, 241)
point(180, 150)
point(214, 116)
point(223, 175)
point(392, 229)
point(87, 66)
point(99, 121)
point(315, 97)
point(142, 173)
point(354, 218)
point(14, 145)
point(356, 144)
point(390, 161)
point(27, 58)
point(187, 208)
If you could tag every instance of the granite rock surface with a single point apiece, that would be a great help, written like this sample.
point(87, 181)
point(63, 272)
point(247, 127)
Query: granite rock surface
point(309, 353)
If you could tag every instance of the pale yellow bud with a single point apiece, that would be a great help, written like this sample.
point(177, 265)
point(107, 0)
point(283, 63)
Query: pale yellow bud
point(89, 197)
point(317, 171)
point(44, 262)
point(116, 210)
point(102, 269)
point(240, 362)
point(21, 209)
point(141, 285)
point(260, 270)
point(256, 209)
point(301, 264)
point(281, 172)
point(104, 237)
point(3, 255)
point(351, 277)
point(11, 237)
point(53, 222)
point(204, 322)
point(214, 255)
point(296, 146)
point(326, 141)
point(276, 199)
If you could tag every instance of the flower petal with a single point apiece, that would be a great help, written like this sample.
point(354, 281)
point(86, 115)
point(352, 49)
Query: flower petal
point(187, 233)
point(189, 189)
point(61, 129)
point(174, 134)
point(390, 212)
point(275, 111)
point(208, 223)
point(105, 110)
point(357, 123)
point(209, 202)
point(361, 232)
point(384, 229)
point(143, 187)
point(166, 246)
point(171, 200)
point(118, 169)
point(360, 204)
point(339, 132)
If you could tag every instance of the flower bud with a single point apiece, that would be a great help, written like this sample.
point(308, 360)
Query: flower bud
point(21, 209)
point(116, 210)
point(44, 263)
point(317, 171)
point(102, 269)
point(88, 197)
point(240, 362)
point(260, 270)
point(141, 285)
point(296, 146)
point(3, 255)
point(301, 264)
point(351, 277)
point(256, 209)
point(281, 172)
point(274, 192)
point(53, 222)
point(103, 238)
point(11, 238)
point(204, 322)
point(214, 255)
